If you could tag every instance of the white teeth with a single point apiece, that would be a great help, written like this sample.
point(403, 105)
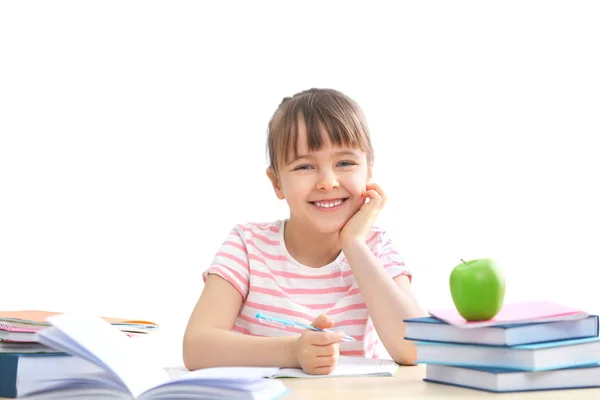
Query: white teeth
point(328, 204)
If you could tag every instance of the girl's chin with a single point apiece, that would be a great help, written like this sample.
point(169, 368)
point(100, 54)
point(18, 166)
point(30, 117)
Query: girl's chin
point(329, 228)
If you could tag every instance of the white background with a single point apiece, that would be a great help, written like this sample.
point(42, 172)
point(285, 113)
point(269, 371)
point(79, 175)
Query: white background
point(132, 140)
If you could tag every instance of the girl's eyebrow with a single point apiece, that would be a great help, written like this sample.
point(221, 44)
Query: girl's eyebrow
point(299, 157)
point(346, 153)
point(338, 154)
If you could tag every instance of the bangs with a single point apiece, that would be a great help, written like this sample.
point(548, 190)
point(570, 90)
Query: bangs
point(330, 113)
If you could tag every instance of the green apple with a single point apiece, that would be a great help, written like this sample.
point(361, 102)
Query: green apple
point(477, 288)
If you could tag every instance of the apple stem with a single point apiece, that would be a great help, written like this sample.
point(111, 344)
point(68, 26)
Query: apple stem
point(464, 262)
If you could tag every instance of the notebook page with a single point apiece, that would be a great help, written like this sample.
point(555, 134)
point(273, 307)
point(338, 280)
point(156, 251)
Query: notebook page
point(222, 373)
point(347, 366)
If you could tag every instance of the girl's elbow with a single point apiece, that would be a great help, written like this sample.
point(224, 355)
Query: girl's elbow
point(188, 355)
point(405, 354)
point(406, 360)
point(192, 348)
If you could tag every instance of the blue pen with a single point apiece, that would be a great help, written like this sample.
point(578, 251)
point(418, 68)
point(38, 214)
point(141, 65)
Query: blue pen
point(279, 321)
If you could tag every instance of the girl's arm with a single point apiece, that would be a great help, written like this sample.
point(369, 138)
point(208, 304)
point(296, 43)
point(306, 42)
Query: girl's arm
point(209, 341)
point(389, 301)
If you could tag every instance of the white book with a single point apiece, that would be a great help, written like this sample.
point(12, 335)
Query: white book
point(502, 380)
point(435, 330)
point(527, 357)
point(129, 372)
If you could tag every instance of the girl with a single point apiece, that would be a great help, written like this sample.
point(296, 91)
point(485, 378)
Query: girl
point(326, 264)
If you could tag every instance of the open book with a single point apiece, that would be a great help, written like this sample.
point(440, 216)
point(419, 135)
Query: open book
point(132, 373)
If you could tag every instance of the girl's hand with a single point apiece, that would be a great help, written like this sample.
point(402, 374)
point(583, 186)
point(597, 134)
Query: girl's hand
point(318, 352)
point(357, 227)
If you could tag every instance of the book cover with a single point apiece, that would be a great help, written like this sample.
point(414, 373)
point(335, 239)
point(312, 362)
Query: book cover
point(513, 313)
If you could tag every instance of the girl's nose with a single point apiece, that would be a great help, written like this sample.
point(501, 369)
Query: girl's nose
point(327, 181)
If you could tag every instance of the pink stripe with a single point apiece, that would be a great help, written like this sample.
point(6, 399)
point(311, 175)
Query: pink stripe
point(372, 345)
point(234, 258)
point(370, 328)
point(349, 322)
point(279, 310)
point(276, 293)
point(236, 245)
point(240, 277)
point(357, 306)
point(270, 292)
point(363, 352)
point(389, 253)
point(245, 331)
point(266, 227)
point(273, 257)
point(360, 353)
point(375, 234)
point(393, 264)
point(335, 289)
point(262, 238)
point(283, 274)
point(407, 274)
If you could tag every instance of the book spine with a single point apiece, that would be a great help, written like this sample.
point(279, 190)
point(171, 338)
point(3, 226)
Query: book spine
point(9, 365)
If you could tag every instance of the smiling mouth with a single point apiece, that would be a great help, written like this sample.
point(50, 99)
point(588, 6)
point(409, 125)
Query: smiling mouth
point(329, 203)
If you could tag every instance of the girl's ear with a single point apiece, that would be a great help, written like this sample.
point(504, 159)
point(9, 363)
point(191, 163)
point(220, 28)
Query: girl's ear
point(276, 183)
point(370, 174)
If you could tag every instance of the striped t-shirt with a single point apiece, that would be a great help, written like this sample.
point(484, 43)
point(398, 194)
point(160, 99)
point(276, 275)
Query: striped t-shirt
point(255, 261)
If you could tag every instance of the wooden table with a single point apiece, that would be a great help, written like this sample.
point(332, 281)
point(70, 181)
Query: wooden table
point(408, 384)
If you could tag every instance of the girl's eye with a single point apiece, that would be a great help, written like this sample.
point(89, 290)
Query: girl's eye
point(346, 163)
point(303, 166)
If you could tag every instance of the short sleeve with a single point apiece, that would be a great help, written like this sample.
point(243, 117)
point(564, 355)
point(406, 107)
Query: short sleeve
point(231, 262)
point(389, 257)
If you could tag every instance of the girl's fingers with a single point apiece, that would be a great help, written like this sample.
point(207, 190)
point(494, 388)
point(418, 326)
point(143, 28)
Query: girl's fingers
point(374, 198)
point(327, 361)
point(375, 187)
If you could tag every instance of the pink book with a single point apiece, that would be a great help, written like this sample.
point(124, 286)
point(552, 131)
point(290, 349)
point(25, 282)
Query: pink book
point(515, 313)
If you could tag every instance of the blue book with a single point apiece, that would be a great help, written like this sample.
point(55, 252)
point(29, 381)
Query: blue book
point(527, 357)
point(19, 371)
point(499, 380)
point(433, 329)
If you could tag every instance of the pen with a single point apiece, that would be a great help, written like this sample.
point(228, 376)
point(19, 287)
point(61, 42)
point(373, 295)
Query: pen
point(280, 321)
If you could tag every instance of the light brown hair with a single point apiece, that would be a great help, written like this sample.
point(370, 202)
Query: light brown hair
point(322, 110)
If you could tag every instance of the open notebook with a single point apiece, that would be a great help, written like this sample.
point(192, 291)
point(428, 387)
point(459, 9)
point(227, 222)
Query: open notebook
point(347, 367)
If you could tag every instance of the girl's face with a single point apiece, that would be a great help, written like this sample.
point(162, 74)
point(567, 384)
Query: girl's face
point(323, 188)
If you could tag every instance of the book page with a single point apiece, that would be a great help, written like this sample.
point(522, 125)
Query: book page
point(347, 366)
point(97, 341)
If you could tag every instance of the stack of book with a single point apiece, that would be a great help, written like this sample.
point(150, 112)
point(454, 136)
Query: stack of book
point(23, 358)
point(528, 346)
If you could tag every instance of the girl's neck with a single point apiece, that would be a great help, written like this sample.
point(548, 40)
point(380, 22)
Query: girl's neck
point(308, 247)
